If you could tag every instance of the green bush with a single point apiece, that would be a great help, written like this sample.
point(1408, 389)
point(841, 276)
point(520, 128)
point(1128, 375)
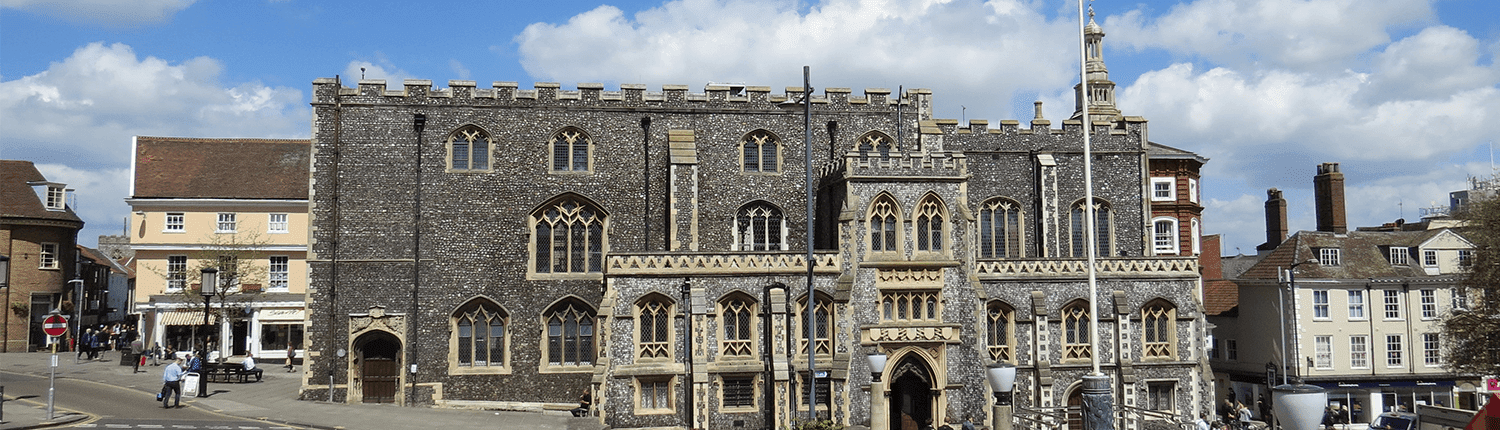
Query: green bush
point(818, 425)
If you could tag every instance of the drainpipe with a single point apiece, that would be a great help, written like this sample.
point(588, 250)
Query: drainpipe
point(646, 179)
point(419, 121)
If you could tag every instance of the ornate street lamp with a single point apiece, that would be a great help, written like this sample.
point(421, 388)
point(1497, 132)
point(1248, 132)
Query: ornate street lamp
point(1002, 377)
point(210, 287)
point(877, 364)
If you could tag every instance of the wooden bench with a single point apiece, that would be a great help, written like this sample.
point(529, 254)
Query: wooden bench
point(230, 372)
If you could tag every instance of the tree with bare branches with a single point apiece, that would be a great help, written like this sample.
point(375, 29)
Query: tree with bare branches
point(1472, 330)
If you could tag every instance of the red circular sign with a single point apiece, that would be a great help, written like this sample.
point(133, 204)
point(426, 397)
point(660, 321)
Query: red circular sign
point(55, 325)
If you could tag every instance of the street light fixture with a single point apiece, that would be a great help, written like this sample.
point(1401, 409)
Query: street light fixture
point(1002, 378)
point(877, 365)
point(1299, 406)
point(210, 287)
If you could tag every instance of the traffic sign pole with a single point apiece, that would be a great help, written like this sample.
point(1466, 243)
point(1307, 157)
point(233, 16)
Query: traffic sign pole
point(56, 326)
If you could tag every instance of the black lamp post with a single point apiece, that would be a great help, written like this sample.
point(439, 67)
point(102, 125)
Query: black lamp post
point(1002, 378)
point(210, 286)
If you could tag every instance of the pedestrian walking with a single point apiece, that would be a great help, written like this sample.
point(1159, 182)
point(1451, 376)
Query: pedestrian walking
point(291, 352)
point(171, 387)
point(138, 355)
point(1245, 417)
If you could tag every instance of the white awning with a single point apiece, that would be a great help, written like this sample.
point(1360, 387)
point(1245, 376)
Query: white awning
point(180, 318)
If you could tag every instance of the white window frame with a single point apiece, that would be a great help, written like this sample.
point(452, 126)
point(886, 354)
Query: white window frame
point(1357, 305)
point(1465, 257)
point(1400, 256)
point(1460, 298)
point(1393, 351)
point(227, 223)
point(278, 273)
point(175, 222)
point(176, 268)
point(1328, 256)
point(277, 223)
point(1429, 258)
point(655, 395)
point(1165, 242)
point(1323, 345)
point(1429, 303)
point(1432, 355)
point(1320, 304)
point(1359, 351)
point(1391, 304)
point(1197, 232)
point(48, 258)
point(1164, 194)
point(57, 198)
point(1192, 190)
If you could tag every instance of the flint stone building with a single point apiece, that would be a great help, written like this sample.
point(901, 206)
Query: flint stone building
point(649, 248)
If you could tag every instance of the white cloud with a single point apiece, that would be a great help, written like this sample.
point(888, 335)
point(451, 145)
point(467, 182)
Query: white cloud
point(116, 13)
point(75, 120)
point(459, 69)
point(90, 103)
point(969, 53)
point(1293, 34)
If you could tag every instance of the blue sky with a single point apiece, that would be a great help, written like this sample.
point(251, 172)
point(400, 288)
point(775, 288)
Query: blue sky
point(1402, 93)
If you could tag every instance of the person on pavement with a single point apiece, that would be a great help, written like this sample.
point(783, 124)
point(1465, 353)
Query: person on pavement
point(171, 388)
point(249, 365)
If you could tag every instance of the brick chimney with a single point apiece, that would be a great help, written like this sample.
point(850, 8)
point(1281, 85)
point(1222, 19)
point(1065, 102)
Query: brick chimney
point(1275, 220)
point(1328, 189)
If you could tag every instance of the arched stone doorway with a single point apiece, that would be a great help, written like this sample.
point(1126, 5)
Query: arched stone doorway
point(377, 359)
point(912, 394)
point(1075, 407)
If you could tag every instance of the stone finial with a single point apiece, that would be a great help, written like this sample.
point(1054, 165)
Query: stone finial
point(1038, 104)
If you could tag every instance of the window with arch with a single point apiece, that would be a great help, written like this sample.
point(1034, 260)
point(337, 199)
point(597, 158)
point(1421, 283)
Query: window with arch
point(736, 316)
point(1163, 236)
point(761, 153)
point(479, 335)
point(469, 149)
point(1000, 323)
point(1103, 232)
point(1076, 341)
point(909, 305)
point(759, 227)
point(570, 150)
point(1000, 229)
point(570, 334)
point(1159, 334)
point(654, 323)
point(569, 237)
point(879, 143)
point(884, 224)
point(822, 325)
point(929, 218)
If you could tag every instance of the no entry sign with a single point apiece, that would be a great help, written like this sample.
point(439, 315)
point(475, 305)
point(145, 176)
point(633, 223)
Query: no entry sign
point(55, 325)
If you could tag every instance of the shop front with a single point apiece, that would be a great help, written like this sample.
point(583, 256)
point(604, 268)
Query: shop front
point(1365, 400)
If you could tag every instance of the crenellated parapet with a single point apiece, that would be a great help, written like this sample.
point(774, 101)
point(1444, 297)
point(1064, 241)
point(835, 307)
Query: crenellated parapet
point(502, 93)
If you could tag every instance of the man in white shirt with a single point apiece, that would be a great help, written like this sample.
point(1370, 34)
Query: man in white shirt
point(171, 388)
point(249, 364)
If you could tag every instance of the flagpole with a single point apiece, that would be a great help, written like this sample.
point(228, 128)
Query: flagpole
point(1098, 404)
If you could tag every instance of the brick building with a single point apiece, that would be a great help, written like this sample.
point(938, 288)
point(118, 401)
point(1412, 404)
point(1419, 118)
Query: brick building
point(39, 236)
point(508, 247)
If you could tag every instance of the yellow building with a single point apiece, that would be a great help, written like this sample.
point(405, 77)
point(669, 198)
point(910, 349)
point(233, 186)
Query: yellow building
point(237, 205)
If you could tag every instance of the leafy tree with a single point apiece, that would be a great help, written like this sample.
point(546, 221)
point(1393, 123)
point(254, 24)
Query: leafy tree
point(1472, 332)
point(243, 275)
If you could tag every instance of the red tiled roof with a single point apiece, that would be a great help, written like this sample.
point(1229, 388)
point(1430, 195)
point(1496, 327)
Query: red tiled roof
point(20, 200)
point(178, 167)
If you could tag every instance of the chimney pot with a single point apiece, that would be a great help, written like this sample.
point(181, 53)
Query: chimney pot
point(1328, 189)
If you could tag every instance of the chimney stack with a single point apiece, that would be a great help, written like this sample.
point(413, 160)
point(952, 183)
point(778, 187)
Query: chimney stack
point(1275, 220)
point(1328, 189)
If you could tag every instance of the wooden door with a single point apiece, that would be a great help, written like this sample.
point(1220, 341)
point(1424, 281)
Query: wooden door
point(381, 377)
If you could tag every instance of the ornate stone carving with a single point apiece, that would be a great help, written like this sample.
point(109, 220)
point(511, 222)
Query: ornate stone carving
point(1112, 267)
point(917, 334)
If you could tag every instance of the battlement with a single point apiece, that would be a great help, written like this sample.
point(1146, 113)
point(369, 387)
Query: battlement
point(594, 94)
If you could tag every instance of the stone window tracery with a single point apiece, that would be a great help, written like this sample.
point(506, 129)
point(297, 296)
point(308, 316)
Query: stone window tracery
point(759, 227)
point(569, 238)
point(929, 219)
point(570, 150)
point(738, 336)
point(822, 325)
point(570, 335)
point(654, 323)
point(1000, 229)
point(884, 225)
point(906, 305)
point(1000, 324)
point(480, 335)
point(760, 152)
point(1103, 232)
point(1158, 322)
point(1076, 341)
point(469, 149)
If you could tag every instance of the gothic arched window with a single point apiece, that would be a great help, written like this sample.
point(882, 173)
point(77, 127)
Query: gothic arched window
point(884, 224)
point(480, 335)
point(1158, 324)
point(570, 150)
point(570, 335)
point(1000, 322)
point(1103, 232)
point(469, 149)
point(929, 218)
point(760, 152)
point(758, 227)
point(569, 238)
point(1076, 342)
point(1000, 229)
point(654, 323)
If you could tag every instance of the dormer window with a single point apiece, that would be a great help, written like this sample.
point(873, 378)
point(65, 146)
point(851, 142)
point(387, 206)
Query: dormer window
point(56, 198)
point(1400, 256)
point(1328, 256)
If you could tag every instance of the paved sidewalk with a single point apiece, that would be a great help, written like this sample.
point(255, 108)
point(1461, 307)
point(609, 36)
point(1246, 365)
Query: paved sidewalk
point(274, 399)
